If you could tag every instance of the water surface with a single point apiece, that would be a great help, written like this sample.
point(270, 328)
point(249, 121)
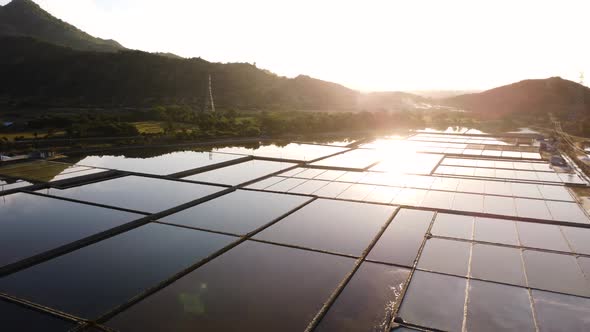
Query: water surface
point(495, 263)
point(291, 151)
point(555, 272)
point(137, 193)
point(367, 302)
point(114, 270)
point(494, 307)
point(402, 239)
point(427, 294)
point(240, 173)
point(560, 312)
point(18, 318)
point(164, 164)
point(253, 287)
point(238, 212)
point(32, 224)
point(337, 226)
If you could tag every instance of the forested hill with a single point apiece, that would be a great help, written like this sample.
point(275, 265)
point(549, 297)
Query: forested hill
point(540, 95)
point(47, 62)
point(38, 73)
point(25, 18)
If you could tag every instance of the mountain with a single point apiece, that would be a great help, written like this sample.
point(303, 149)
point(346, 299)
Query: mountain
point(168, 55)
point(440, 94)
point(48, 62)
point(37, 73)
point(26, 19)
point(391, 100)
point(540, 95)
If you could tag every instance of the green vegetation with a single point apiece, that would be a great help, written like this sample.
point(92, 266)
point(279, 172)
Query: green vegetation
point(38, 170)
point(37, 74)
point(579, 126)
point(78, 126)
point(149, 127)
point(182, 123)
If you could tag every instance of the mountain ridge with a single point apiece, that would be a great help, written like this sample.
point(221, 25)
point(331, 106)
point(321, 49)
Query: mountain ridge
point(38, 73)
point(35, 72)
point(38, 48)
point(553, 94)
point(25, 18)
point(46, 61)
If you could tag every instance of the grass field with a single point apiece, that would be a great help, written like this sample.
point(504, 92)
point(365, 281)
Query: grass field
point(157, 127)
point(30, 134)
point(241, 119)
point(149, 127)
point(39, 170)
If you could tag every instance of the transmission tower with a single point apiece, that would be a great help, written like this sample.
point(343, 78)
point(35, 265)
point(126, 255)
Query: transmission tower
point(581, 103)
point(582, 93)
point(209, 99)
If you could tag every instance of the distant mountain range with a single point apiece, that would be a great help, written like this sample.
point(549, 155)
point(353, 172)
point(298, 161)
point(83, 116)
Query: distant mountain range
point(441, 94)
point(376, 101)
point(541, 95)
point(47, 62)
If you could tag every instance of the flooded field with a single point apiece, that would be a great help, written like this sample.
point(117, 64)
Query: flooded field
point(372, 235)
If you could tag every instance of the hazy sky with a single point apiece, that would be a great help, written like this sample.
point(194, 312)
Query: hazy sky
point(364, 44)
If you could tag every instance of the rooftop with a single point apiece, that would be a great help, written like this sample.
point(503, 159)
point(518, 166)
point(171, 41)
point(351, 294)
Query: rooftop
point(434, 231)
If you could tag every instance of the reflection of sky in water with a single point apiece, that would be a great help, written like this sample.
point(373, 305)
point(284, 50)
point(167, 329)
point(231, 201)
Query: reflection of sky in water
point(293, 151)
point(161, 165)
point(457, 130)
point(254, 282)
